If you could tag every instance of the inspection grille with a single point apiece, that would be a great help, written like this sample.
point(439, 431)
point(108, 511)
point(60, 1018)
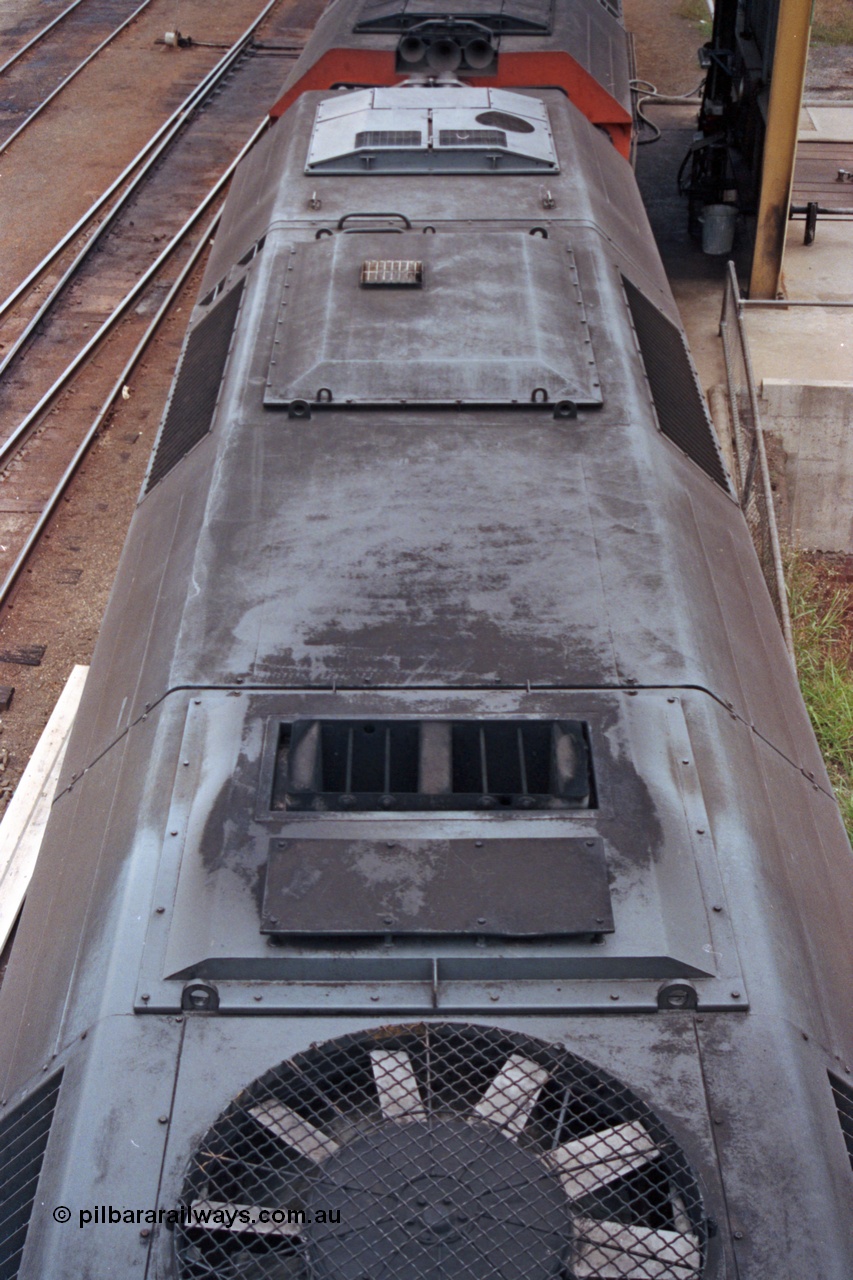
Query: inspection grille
point(190, 413)
point(432, 764)
point(843, 1095)
point(677, 397)
point(445, 1152)
point(23, 1140)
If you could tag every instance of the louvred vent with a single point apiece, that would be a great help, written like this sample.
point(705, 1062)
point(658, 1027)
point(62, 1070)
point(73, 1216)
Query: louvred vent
point(444, 1152)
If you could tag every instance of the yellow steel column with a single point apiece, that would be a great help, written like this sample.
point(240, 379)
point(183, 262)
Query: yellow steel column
point(780, 144)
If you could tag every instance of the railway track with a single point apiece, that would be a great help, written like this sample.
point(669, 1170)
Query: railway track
point(39, 35)
point(34, 76)
point(72, 337)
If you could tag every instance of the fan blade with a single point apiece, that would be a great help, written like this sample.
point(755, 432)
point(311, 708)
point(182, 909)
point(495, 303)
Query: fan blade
point(202, 1208)
point(613, 1251)
point(396, 1085)
point(589, 1164)
point(511, 1097)
point(291, 1128)
point(680, 1220)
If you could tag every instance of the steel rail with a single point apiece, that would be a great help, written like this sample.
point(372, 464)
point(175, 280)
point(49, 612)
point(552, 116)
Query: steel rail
point(189, 103)
point(792, 302)
point(763, 468)
point(39, 36)
point(83, 448)
point(10, 445)
point(38, 110)
point(136, 181)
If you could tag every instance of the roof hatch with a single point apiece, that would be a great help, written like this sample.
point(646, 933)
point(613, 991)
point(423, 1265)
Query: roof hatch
point(506, 17)
point(450, 319)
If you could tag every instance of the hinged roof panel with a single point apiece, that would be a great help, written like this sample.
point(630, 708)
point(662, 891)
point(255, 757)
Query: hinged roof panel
point(496, 319)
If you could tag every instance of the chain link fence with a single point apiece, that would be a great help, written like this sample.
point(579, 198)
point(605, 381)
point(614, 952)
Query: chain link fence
point(752, 470)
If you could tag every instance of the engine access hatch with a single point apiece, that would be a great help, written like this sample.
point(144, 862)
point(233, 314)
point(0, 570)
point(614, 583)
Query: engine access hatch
point(497, 887)
point(493, 319)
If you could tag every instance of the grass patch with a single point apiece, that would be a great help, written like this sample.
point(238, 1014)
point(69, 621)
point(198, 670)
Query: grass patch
point(696, 12)
point(821, 603)
point(832, 22)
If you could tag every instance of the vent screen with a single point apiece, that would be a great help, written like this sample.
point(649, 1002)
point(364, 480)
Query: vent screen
point(447, 1152)
point(190, 413)
point(23, 1140)
point(843, 1095)
point(677, 397)
point(410, 764)
point(472, 138)
point(378, 273)
point(388, 138)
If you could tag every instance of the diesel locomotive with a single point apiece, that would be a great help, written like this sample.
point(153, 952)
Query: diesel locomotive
point(444, 882)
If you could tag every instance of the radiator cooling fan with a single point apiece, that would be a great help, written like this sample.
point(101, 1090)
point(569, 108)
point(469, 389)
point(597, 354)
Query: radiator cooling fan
point(443, 1152)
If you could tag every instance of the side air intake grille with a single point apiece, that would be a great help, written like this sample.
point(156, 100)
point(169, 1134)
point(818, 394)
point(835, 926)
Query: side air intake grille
point(676, 394)
point(23, 1140)
point(194, 395)
point(430, 764)
point(453, 1151)
point(843, 1095)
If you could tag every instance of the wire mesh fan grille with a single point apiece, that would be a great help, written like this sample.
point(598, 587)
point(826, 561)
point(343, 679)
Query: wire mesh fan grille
point(444, 1152)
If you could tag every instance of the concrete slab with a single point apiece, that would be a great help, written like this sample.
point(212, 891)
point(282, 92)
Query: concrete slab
point(813, 421)
point(827, 123)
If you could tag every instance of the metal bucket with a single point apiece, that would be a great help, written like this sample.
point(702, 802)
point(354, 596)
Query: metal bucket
point(718, 227)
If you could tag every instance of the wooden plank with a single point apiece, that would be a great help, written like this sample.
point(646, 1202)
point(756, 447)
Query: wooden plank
point(25, 819)
point(816, 172)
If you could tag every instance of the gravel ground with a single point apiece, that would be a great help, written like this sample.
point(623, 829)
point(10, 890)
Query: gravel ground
point(830, 72)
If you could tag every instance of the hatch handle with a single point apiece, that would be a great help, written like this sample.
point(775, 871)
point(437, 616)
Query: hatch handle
point(405, 221)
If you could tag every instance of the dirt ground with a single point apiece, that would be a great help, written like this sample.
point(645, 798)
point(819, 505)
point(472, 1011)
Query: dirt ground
point(669, 60)
point(665, 44)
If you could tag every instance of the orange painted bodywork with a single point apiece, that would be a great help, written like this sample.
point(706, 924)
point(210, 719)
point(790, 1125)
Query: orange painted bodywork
point(545, 69)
